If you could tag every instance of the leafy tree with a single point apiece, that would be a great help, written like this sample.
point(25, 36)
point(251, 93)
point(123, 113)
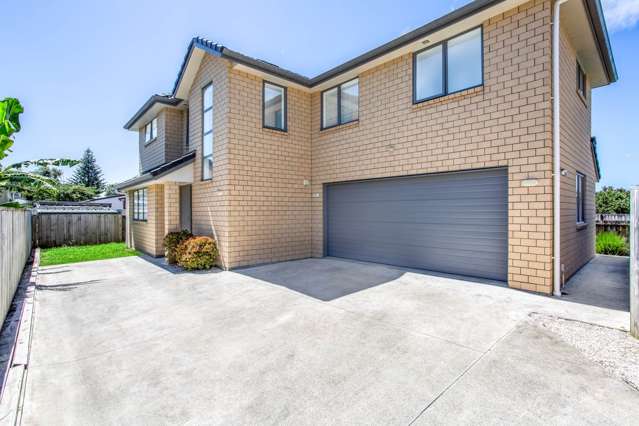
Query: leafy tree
point(613, 200)
point(110, 190)
point(10, 110)
point(88, 172)
point(15, 176)
point(50, 172)
point(61, 192)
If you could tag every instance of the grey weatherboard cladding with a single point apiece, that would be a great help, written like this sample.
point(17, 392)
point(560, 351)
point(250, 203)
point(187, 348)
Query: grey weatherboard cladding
point(451, 222)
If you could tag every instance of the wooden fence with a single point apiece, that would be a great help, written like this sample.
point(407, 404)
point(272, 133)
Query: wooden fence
point(618, 223)
point(15, 248)
point(60, 229)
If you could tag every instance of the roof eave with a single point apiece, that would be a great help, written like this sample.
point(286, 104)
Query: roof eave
point(155, 99)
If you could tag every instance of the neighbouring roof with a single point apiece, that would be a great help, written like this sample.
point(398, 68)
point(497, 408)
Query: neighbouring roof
point(593, 8)
point(595, 157)
point(48, 207)
point(158, 171)
point(108, 197)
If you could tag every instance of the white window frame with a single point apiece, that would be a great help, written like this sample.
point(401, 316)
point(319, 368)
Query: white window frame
point(209, 110)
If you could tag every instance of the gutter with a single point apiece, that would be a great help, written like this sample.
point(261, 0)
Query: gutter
point(556, 150)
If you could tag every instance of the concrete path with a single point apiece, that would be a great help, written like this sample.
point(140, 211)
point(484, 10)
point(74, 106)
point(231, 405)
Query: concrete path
point(316, 341)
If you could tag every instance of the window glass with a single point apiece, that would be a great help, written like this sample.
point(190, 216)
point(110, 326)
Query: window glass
point(579, 189)
point(429, 79)
point(140, 204)
point(147, 132)
point(154, 128)
point(464, 61)
point(207, 132)
point(581, 81)
point(207, 143)
point(207, 167)
point(329, 108)
point(349, 98)
point(274, 106)
point(208, 97)
point(207, 125)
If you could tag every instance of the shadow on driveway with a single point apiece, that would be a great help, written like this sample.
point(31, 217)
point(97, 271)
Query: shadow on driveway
point(323, 279)
point(603, 282)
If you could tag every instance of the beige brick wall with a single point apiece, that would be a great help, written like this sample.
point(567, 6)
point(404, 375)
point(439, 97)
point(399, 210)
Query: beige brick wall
point(211, 198)
point(270, 217)
point(577, 245)
point(505, 123)
point(147, 235)
point(171, 207)
point(258, 208)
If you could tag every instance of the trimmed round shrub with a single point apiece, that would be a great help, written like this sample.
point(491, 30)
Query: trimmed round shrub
point(611, 243)
point(171, 242)
point(197, 253)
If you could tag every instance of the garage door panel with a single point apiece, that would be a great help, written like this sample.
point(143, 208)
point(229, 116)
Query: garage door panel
point(455, 223)
point(423, 235)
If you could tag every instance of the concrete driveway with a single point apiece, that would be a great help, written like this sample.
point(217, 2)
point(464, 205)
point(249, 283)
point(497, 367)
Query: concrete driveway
point(314, 341)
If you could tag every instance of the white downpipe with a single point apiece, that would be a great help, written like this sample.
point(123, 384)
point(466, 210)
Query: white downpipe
point(556, 151)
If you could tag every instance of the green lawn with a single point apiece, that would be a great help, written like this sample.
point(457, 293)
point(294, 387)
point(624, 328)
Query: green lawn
point(72, 254)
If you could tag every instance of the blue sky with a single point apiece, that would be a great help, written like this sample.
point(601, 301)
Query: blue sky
point(82, 68)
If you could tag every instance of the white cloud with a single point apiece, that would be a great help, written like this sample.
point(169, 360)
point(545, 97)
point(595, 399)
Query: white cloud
point(621, 14)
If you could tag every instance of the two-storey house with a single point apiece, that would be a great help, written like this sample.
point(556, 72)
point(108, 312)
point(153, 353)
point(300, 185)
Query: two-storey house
point(462, 147)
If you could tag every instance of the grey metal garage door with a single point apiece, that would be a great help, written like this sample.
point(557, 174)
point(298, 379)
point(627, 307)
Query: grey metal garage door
point(452, 222)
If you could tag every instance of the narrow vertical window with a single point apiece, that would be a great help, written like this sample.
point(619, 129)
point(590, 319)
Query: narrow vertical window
point(429, 75)
point(349, 101)
point(580, 183)
point(581, 81)
point(140, 207)
point(274, 106)
point(329, 108)
point(207, 132)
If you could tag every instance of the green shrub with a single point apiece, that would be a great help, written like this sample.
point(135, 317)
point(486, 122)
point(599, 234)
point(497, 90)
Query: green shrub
point(197, 253)
point(611, 243)
point(171, 242)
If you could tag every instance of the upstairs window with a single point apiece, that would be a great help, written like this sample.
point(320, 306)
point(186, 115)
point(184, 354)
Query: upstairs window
point(340, 104)
point(207, 132)
point(581, 81)
point(449, 67)
point(140, 206)
point(274, 106)
point(580, 184)
point(151, 130)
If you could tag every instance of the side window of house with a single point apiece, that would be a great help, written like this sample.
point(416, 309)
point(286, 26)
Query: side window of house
point(580, 183)
point(151, 130)
point(207, 132)
point(581, 81)
point(140, 206)
point(340, 104)
point(448, 67)
point(274, 106)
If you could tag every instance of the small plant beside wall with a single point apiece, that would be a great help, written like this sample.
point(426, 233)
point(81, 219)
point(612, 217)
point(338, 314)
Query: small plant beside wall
point(612, 244)
point(197, 253)
point(171, 242)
